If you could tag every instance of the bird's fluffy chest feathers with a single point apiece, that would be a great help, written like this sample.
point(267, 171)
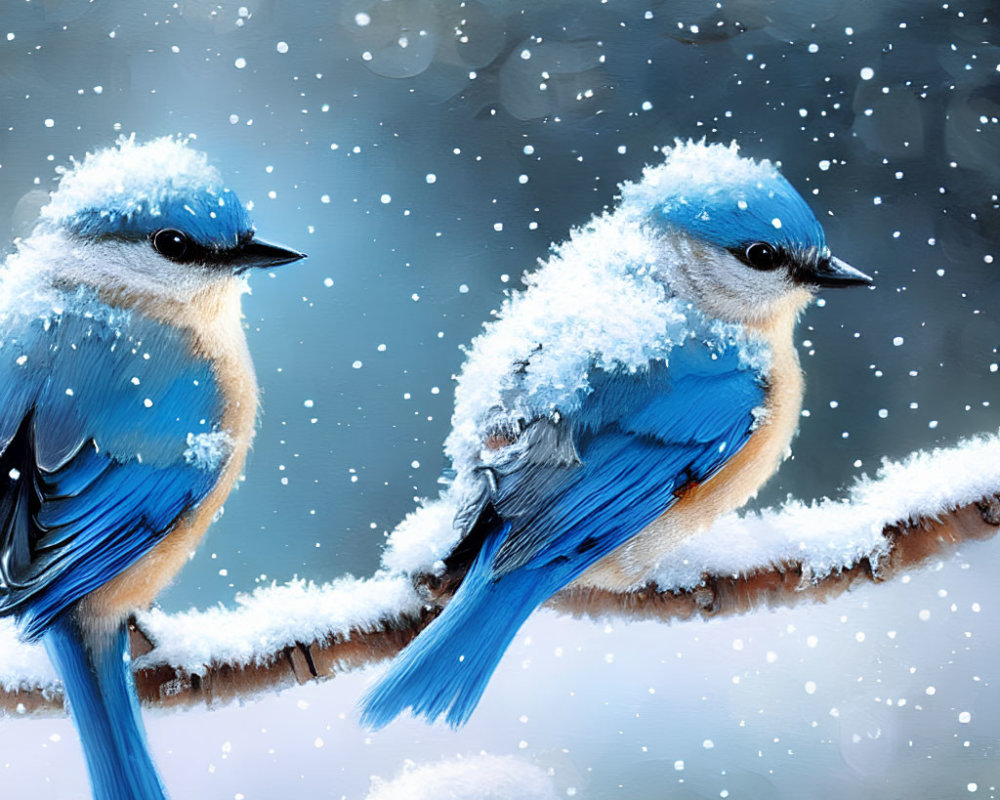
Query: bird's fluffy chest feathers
point(735, 483)
point(212, 321)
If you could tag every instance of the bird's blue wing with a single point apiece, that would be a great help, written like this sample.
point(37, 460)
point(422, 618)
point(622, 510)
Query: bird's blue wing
point(558, 497)
point(573, 489)
point(108, 433)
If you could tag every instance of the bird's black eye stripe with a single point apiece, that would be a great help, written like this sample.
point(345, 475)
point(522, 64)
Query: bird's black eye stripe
point(178, 246)
point(760, 255)
point(182, 249)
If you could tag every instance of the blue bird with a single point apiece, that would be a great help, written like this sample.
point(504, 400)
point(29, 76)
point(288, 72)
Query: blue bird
point(644, 383)
point(127, 404)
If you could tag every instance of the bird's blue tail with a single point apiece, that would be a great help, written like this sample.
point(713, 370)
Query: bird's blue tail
point(98, 681)
point(445, 670)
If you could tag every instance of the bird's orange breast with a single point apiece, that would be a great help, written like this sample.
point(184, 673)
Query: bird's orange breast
point(699, 505)
point(214, 325)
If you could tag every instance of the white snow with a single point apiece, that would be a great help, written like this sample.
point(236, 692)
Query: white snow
point(208, 450)
point(125, 173)
point(23, 667)
point(712, 168)
point(482, 777)
point(272, 618)
point(422, 539)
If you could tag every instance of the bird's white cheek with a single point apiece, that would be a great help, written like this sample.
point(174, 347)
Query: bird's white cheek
point(736, 293)
point(719, 284)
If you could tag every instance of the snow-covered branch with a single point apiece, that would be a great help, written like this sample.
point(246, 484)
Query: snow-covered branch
point(912, 513)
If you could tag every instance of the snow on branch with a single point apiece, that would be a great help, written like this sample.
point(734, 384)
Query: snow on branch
point(910, 514)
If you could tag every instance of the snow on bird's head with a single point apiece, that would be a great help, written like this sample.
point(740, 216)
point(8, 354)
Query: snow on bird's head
point(133, 190)
point(714, 194)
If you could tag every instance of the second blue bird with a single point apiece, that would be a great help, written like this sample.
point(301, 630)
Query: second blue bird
point(644, 383)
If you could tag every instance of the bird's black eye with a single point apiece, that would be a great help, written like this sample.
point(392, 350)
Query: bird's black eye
point(172, 244)
point(762, 256)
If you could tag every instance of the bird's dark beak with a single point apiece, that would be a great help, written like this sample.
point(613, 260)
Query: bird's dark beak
point(260, 254)
point(833, 273)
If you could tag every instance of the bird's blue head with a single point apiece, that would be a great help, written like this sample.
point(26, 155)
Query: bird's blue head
point(162, 192)
point(712, 195)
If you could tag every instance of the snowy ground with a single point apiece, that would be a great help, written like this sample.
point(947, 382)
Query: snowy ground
point(886, 691)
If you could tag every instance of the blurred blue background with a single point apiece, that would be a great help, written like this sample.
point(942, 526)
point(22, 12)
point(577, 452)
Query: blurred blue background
point(425, 153)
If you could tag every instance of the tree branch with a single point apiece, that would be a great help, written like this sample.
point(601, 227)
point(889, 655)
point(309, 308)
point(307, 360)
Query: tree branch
point(913, 514)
